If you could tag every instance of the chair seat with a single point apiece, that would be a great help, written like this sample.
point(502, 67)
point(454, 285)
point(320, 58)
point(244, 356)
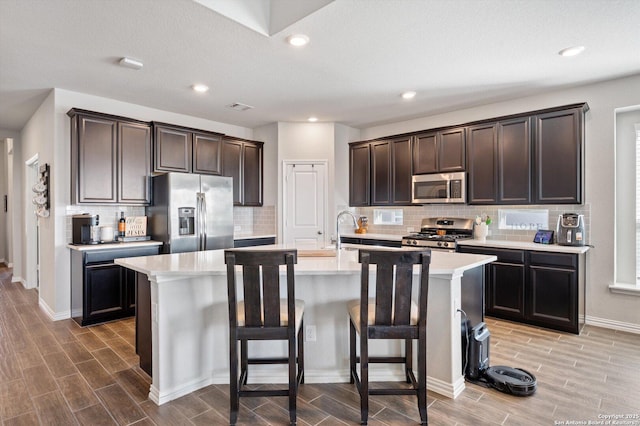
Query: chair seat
point(353, 306)
point(284, 317)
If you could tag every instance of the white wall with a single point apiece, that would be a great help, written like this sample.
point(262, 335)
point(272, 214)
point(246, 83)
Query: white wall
point(603, 98)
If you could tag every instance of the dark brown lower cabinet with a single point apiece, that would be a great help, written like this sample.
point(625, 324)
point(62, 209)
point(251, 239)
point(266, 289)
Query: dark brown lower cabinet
point(101, 290)
point(532, 287)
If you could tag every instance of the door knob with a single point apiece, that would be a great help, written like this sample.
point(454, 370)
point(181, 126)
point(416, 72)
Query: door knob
point(319, 232)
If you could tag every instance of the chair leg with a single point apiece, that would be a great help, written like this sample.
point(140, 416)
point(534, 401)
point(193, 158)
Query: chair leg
point(408, 358)
point(234, 401)
point(422, 379)
point(352, 351)
point(301, 353)
point(293, 381)
point(244, 362)
point(364, 377)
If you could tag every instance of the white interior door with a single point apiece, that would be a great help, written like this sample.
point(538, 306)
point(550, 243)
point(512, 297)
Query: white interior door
point(305, 202)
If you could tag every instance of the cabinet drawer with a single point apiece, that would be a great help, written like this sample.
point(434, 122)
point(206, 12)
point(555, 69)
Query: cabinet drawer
point(107, 255)
point(504, 255)
point(554, 259)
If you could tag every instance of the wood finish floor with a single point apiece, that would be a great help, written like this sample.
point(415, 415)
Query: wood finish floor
point(57, 373)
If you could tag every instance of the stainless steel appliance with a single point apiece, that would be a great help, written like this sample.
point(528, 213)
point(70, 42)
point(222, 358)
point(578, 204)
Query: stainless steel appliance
point(84, 229)
point(439, 188)
point(570, 230)
point(440, 233)
point(191, 212)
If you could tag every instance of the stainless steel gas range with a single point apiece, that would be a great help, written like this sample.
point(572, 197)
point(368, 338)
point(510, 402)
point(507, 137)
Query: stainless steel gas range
point(440, 233)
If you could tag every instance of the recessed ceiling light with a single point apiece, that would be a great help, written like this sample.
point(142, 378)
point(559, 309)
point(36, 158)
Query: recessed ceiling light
point(298, 40)
point(131, 63)
point(200, 88)
point(312, 119)
point(571, 51)
point(409, 95)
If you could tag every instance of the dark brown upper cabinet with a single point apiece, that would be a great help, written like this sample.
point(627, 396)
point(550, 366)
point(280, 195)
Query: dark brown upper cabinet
point(180, 149)
point(439, 152)
point(242, 160)
point(360, 174)
point(500, 162)
point(559, 157)
point(110, 159)
point(536, 158)
point(391, 171)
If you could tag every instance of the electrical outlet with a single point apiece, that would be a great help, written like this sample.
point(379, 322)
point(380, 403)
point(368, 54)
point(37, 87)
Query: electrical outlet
point(310, 333)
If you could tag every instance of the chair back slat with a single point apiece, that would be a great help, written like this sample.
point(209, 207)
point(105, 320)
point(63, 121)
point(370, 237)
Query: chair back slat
point(261, 284)
point(384, 293)
point(271, 295)
point(402, 296)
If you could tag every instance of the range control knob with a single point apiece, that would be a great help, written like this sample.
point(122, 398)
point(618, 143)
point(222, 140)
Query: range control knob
point(440, 243)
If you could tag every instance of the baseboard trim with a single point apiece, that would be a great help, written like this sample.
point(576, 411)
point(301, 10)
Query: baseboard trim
point(53, 315)
point(613, 325)
point(17, 279)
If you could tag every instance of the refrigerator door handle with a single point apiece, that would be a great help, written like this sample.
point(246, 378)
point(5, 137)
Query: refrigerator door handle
point(199, 219)
point(203, 233)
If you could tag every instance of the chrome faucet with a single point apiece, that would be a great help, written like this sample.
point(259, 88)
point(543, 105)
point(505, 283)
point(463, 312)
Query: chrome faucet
point(355, 225)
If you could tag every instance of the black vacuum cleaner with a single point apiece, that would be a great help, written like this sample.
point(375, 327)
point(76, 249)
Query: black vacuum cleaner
point(475, 361)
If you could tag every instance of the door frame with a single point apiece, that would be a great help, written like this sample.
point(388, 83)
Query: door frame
point(285, 195)
point(31, 226)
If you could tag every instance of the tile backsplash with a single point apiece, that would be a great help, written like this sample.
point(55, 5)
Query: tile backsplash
point(414, 215)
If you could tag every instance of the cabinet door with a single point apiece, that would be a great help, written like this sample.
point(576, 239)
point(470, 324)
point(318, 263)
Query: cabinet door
point(514, 161)
point(96, 160)
point(482, 149)
point(380, 173)
point(359, 175)
point(232, 167)
point(104, 291)
point(451, 152)
point(401, 171)
point(558, 161)
point(425, 153)
point(252, 174)
point(172, 150)
point(505, 290)
point(207, 149)
point(553, 298)
point(134, 161)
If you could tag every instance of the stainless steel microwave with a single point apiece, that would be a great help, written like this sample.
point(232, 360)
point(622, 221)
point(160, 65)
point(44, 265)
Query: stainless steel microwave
point(439, 188)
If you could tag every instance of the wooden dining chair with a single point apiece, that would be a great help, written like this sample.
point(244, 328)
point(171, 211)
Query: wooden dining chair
point(390, 313)
point(263, 315)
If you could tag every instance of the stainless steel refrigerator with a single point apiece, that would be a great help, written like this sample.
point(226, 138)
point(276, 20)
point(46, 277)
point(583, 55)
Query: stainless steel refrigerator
point(191, 212)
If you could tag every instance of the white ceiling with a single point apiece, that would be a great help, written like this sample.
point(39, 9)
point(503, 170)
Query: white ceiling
point(362, 55)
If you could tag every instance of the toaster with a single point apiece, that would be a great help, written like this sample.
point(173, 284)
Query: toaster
point(570, 230)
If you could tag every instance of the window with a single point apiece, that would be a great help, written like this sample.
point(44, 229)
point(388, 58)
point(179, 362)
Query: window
point(627, 202)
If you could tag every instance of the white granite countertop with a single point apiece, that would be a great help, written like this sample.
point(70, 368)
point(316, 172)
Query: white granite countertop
point(524, 245)
point(114, 245)
point(211, 262)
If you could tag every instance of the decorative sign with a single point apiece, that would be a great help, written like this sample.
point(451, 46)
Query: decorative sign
point(136, 226)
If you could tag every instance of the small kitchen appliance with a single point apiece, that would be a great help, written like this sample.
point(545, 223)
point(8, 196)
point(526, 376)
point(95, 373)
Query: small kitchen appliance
point(84, 229)
point(570, 230)
point(440, 233)
point(439, 188)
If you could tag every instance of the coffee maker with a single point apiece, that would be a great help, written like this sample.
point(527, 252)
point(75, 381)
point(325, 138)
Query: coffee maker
point(570, 230)
point(85, 229)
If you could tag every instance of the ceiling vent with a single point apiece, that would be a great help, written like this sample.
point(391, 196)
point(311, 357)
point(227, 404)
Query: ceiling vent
point(239, 107)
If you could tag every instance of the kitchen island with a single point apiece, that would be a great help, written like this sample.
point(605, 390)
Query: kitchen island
point(188, 321)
